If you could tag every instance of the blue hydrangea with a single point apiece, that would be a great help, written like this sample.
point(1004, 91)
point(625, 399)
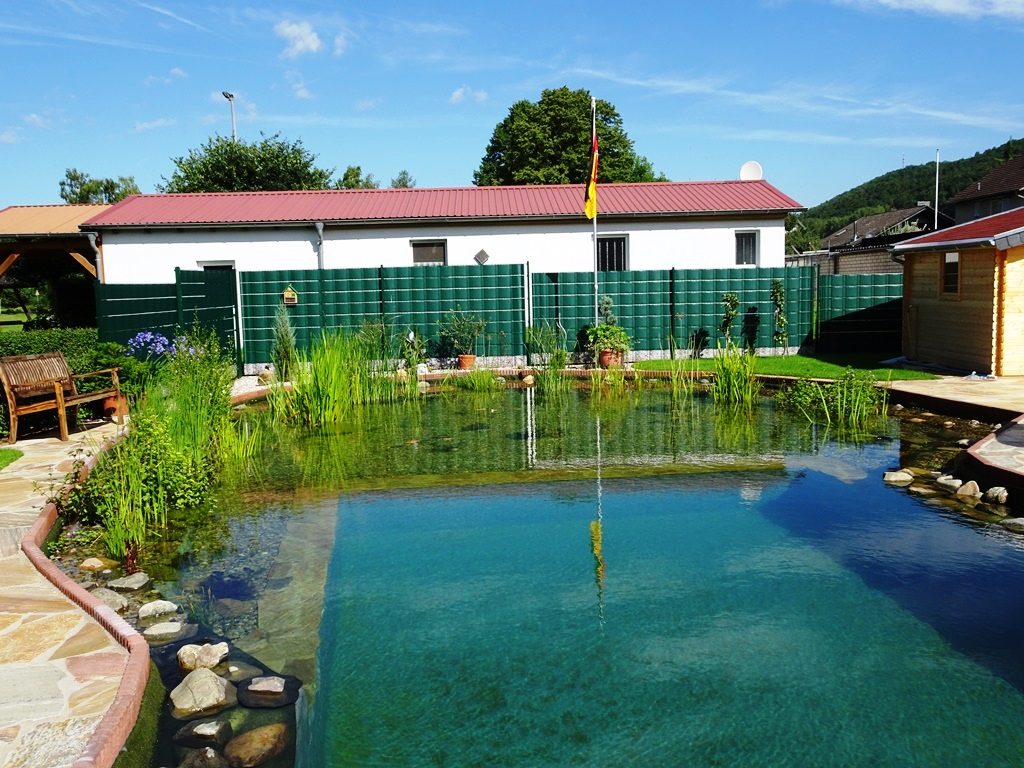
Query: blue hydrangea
point(149, 344)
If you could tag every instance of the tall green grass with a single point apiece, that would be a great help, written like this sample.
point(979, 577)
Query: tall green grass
point(735, 382)
point(547, 353)
point(475, 380)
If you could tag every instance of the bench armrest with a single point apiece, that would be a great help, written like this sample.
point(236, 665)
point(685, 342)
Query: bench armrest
point(100, 372)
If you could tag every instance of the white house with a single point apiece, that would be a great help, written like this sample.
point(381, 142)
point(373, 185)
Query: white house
point(716, 224)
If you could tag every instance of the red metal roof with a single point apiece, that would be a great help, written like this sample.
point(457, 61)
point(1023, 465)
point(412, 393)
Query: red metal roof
point(977, 231)
point(352, 206)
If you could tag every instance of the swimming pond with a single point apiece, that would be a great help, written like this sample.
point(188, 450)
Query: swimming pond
point(722, 595)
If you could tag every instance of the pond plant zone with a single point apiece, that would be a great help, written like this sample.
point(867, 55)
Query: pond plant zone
point(596, 571)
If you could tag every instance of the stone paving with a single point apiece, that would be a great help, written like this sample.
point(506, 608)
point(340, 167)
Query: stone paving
point(59, 668)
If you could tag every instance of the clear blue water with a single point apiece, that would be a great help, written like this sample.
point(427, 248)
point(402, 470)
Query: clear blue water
point(762, 618)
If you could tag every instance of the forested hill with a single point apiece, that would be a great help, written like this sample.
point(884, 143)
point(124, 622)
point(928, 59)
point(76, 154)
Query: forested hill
point(902, 188)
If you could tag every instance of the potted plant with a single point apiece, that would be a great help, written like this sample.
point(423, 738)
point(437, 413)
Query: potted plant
point(608, 343)
point(459, 332)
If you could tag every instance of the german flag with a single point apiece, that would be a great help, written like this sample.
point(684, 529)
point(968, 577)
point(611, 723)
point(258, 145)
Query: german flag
point(590, 201)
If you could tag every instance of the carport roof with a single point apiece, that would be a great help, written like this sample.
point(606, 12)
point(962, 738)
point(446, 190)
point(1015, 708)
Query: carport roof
point(424, 205)
point(46, 220)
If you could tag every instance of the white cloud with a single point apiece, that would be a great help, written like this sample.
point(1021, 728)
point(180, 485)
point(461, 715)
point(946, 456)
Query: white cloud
point(300, 36)
point(970, 9)
point(175, 73)
point(340, 44)
point(178, 72)
point(150, 125)
point(170, 15)
point(10, 136)
point(460, 95)
point(36, 121)
point(298, 85)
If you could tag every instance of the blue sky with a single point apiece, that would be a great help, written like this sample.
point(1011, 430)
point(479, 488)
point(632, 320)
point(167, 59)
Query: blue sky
point(825, 94)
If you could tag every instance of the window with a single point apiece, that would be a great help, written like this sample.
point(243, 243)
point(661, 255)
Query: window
point(611, 254)
point(429, 252)
point(746, 248)
point(951, 273)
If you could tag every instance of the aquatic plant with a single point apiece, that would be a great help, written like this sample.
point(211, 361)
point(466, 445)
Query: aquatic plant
point(545, 346)
point(735, 383)
point(476, 380)
point(850, 402)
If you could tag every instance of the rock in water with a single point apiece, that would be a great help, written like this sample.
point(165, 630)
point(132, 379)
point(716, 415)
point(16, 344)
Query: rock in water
point(269, 692)
point(1015, 524)
point(130, 583)
point(204, 656)
point(948, 483)
point(204, 733)
point(997, 495)
point(202, 693)
point(115, 601)
point(257, 746)
point(970, 488)
point(206, 757)
point(157, 608)
point(902, 477)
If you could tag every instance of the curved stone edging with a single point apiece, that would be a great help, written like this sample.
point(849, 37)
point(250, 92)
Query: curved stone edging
point(992, 472)
point(112, 732)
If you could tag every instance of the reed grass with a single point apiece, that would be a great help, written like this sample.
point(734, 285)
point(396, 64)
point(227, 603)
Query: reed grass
point(851, 402)
point(546, 349)
point(735, 382)
point(475, 380)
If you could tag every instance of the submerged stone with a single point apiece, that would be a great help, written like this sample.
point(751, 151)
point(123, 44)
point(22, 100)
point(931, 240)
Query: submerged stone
point(901, 477)
point(131, 583)
point(157, 608)
point(257, 746)
point(269, 692)
point(204, 733)
point(110, 598)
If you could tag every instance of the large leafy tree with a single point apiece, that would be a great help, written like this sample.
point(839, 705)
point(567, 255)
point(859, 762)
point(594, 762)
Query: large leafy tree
point(353, 179)
point(227, 165)
point(77, 187)
point(548, 142)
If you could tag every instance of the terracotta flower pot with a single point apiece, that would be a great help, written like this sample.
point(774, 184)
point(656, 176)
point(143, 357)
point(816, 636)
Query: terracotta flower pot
point(115, 406)
point(466, 362)
point(609, 358)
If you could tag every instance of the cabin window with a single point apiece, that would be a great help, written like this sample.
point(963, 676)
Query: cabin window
point(611, 254)
point(746, 249)
point(951, 273)
point(429, 252)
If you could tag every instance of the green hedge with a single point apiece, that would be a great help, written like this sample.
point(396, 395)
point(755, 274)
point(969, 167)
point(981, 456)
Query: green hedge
point(77, 344)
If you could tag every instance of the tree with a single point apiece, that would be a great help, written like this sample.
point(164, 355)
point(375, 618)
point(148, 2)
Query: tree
point(227, 165)
point(79, 188)
point(403, 180)
point(548, 142)
point(353, 179)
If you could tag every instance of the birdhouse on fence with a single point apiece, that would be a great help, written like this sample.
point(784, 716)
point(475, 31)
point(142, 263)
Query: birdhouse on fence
point(290, 296)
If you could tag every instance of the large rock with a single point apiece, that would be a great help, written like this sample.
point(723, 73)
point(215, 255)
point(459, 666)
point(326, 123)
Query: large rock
point(948, 483)
point(93, 564)
point(204, 656)
point(257, 746)
point(111, 598)
point(207, 757)
point(901, 477)
point(131, 583)
point(168, 632)
point(202, 693)
point(970, 488)
point(204, 733)
point(997, 495)
point(157, 608)
point(269, 691)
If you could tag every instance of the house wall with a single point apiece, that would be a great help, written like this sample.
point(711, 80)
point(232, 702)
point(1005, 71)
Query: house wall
point(151, 256)
point(1011, 348)
point(956, 331)
point(867, 262)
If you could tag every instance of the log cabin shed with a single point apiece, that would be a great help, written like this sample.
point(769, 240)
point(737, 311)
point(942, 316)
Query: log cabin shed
point(721, 224)
point(963, 295)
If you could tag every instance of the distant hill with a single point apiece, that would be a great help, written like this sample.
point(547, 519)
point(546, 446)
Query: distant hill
point(902, 188)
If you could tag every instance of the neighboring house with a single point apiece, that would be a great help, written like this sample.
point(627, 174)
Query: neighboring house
point(640, 226)
point(1002, 189)
point(963, 295)
point(863, 247)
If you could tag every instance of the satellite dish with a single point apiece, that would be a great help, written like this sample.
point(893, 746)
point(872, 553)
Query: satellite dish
point(751, 171)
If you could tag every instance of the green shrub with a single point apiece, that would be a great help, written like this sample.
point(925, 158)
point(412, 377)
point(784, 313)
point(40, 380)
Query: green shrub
point(283, 353)
point(849, 402)
point(78, 345)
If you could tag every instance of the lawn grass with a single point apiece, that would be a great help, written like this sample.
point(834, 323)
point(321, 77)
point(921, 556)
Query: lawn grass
point(11, 321)
point(821, 367)
point(7, 455)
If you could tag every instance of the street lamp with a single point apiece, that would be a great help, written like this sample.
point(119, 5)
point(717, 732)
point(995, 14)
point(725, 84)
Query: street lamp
point(231, 100)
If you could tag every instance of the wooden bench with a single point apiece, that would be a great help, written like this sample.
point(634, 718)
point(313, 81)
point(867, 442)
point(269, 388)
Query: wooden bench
point(37, 383)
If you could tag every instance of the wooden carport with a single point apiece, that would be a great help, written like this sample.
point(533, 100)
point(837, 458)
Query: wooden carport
point(36, 229)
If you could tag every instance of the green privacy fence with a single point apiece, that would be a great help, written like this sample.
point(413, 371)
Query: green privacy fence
point(860, 313)
point(207, 298)
point(673, 307)
point(407, 298)
point(659, 308)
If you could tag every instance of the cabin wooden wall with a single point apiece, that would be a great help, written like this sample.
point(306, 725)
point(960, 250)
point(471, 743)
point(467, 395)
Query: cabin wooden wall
point(952, 330)
point(1011, 348)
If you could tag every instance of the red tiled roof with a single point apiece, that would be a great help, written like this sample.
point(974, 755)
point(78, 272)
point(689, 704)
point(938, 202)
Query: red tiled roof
point(1004, 178)
point(352, 206)
point(976, 232)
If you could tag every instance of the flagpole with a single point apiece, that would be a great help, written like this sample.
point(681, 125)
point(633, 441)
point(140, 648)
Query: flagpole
point(593, 133)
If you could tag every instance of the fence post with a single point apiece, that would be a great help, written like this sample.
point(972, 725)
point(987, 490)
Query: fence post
point(180, 320)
